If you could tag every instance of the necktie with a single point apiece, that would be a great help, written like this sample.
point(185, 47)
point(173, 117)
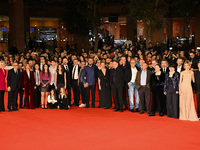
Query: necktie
point(37, 78)
point(74, 72)
point(67, 68)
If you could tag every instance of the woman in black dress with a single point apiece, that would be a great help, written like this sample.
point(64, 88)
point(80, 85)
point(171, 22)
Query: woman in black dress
point(171, 90)
point(104, 86)
point(157, 85)
point(60, 78)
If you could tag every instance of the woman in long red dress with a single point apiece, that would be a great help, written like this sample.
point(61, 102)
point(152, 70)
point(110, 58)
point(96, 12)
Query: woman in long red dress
point(28, 85)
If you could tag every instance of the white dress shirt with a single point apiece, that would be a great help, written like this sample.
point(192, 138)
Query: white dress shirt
point(37, 77)
point(53, 71)
point(75, 73)
point(134, 73)
point(28, 73)
point(179, 69)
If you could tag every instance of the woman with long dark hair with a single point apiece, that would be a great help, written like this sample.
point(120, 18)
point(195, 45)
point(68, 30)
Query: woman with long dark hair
point(45, 79)
point(60, 78)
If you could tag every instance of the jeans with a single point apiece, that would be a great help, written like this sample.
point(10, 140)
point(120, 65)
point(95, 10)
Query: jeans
point(133, 91)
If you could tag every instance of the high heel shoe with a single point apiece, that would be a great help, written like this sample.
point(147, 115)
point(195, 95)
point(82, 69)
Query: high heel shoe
point(42, 106)
point(45, 106)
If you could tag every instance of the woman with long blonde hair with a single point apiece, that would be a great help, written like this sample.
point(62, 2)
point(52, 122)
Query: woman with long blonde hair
point(186, 99)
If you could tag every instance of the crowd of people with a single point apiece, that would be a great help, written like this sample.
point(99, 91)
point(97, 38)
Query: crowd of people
point(124, 74)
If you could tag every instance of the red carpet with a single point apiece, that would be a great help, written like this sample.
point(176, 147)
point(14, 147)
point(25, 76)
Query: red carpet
point(94, 129)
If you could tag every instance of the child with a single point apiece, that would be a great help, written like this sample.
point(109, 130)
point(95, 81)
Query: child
point(52, 99)
point(63, 100)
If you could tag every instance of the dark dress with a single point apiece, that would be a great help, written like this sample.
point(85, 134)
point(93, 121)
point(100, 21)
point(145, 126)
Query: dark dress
point(105, 96)
point(157, 86)
point(60, 81)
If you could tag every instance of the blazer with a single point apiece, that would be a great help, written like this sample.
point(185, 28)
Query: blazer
point(175, 80)
point(182, 68)
point(197, 81)
point(119, 78)
point(138, 77)
point(68, 74)
point(167, 70)
point(14, 80)
point(2, 79)
point(26, 82)
point(128, 74)
point(72, 70)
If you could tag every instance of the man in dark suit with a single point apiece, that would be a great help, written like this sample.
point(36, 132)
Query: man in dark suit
point(75, 73)
point(179, 67)
point(142, 83)
point(13, 84)
point(197, 88)
point(117, 85)
point(124, 65)
point(154, 62)
point(194, 60)
point(68, 69)
point(21, 91)
point(164, 66)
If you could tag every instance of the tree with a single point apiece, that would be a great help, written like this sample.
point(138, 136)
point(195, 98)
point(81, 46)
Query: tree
point(82, 15)
point(186, 9)
point(151, 12)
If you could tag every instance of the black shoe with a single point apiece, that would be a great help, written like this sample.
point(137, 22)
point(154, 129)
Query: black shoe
point(116, 110)
point(98, 107)
point(126, 108)
point(87, 107)
point(21, 107)
point(121, 110)
point(152, 114)
point(93, 106)
point(73, 104)
point(132, 110)
point(141, 112)
point(9, 110)
point(161, 114)
point(15, 109)
point(137, 110)
point(106, 107)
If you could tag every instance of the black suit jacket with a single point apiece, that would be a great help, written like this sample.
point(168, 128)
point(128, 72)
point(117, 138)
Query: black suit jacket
point(72, 70)
point(197, 81)
point(14, 80)
point(68, 74)
point(128, 74)
point(167, 70)
point(182, 68)
point(119, 80)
